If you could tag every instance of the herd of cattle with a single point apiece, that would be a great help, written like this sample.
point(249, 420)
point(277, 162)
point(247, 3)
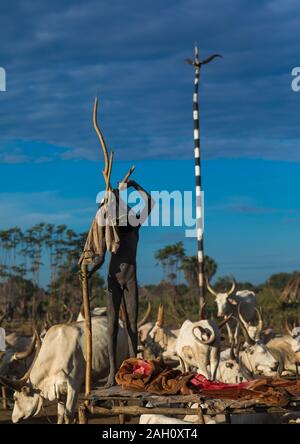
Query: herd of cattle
point(51, 365)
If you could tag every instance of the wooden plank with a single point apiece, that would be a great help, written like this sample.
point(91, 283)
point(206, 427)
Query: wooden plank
point(137, 410)
point(147, 398)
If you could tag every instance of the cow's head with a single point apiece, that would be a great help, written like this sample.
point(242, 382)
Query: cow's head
point(296, 340)
point(295, 343)
point(28, 403)
point(230, 372)
point(156, 339)
point(27, 400)
point(257, 356)
point(223, 300)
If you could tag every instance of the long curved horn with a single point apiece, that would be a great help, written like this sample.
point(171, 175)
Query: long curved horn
point(260, 324)
point(232, 354)
point(19, 383)
point(210, 289)
point(248, 375)
point(160, 316)
point(287, 328)
point(19, 356)
point(248, 339)
point(209, 341)
point(222, 323)
point(202, 312)
point(242, 320)
point(232, 287)
point(182, 364)
point(146, 315)
point(12, 383)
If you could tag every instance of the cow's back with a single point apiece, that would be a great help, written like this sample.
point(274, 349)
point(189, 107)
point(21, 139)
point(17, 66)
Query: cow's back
point(63, 351)
point(282, 346)
point(247, 301)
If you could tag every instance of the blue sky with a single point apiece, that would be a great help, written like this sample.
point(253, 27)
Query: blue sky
point(59, 55)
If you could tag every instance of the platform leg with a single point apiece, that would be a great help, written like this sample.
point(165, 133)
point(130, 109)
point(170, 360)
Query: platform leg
point(228, 418)
point(82, 417)
point(201, 419)
point(4, 398)
point(121, 416)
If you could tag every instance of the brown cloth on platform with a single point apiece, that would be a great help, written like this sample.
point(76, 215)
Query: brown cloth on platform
point(171, 382)
point(128, 375)
point(154, 377)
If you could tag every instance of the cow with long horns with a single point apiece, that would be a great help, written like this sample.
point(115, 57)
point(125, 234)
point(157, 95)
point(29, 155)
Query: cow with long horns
point(158, 340)
point(198, 346)
point(228, 302)
point(58, 371)
point(256, 357)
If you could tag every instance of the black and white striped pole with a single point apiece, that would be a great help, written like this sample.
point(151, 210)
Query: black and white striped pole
point(197, 154)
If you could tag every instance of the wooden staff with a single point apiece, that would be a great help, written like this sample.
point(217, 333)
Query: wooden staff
point(88, 326)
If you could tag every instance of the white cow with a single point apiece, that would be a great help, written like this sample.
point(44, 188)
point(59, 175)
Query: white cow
point(97, 311)
point(281, 348)
point(152, 418)
point(228, 303)
point(158, 340)
point(59, 369)
point(229, 370)
point(295, 334)
point(287, 349)
point(198, 346)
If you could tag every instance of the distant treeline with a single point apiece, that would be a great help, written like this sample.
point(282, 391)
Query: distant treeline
point(57, 247)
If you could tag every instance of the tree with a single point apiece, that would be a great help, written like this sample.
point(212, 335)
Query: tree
point(189, 267)
point(280, 280)
point(170, 258)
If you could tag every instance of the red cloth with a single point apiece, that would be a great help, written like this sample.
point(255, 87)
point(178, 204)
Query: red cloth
point(202, 383)
point(142, 368)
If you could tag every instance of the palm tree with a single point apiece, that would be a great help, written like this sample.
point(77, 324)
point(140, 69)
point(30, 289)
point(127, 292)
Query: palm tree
point(189, 267)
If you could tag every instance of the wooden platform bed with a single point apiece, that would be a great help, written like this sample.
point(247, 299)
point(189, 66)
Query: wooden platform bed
point(117, 401)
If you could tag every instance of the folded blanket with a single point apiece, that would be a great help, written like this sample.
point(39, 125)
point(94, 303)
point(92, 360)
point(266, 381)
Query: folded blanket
point(154, 377)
